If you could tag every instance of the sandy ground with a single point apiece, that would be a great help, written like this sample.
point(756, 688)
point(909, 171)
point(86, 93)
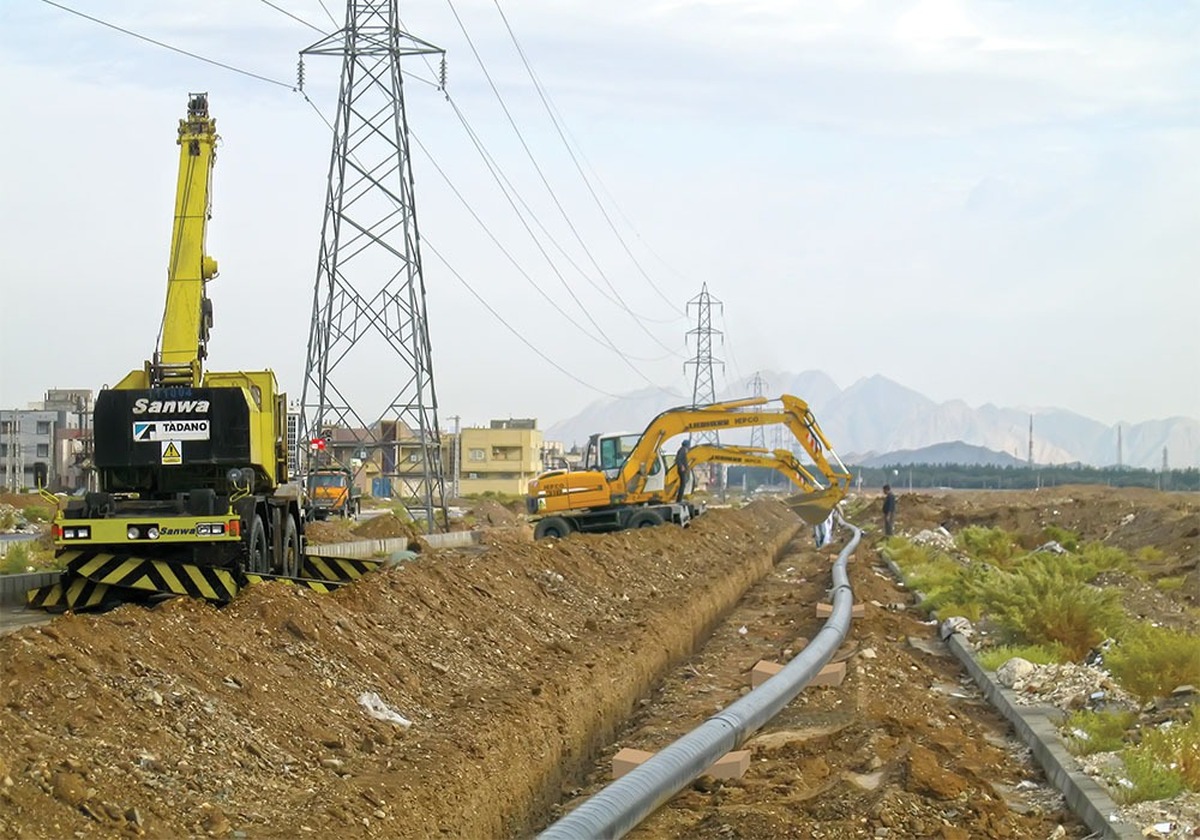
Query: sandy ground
point(516, 669)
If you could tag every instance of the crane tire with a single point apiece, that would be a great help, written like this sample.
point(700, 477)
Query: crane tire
point(551, 526)
point(645, 519)
point(258, 552)
point(289, 562)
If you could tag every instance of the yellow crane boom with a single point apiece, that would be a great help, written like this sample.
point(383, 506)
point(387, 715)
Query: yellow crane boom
point(187, 316)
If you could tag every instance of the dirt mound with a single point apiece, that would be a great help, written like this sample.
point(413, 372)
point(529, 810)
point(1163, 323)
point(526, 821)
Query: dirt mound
point(492, 514)
point(253, 720)
point(329, 531)
point(384, 526)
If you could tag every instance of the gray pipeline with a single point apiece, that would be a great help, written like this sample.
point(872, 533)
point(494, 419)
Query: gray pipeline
point(618, 808)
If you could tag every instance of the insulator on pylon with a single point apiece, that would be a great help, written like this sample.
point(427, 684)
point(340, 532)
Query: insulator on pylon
point(442, 74)
point(300, 73)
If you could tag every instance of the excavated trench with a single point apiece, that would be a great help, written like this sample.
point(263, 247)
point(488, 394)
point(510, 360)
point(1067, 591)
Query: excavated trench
point(515, 665)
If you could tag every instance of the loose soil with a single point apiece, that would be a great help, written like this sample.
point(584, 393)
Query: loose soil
point(520, 668)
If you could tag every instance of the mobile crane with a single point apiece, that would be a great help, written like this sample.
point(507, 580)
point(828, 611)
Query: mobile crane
point(192, 463)
point(623, 482)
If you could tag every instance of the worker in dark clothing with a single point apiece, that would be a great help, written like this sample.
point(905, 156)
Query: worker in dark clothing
point(889, 510)
point(683, 469)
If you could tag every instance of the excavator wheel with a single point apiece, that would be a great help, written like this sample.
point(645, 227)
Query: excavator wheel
point(551, 526)
point(645, 519)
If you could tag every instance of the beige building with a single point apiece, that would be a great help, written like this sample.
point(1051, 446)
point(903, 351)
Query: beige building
point(501, 458)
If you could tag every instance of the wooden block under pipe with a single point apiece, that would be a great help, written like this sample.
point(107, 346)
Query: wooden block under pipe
point(626, 759)
point(732, 765)
point(763, 671)
point(830, 675)
point(826, 610)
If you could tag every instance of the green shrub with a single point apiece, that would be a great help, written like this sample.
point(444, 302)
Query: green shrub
point(1150, 554)
point(1096, 557)
point(993, 658)
point(992, 544)
point(16, 561)
point(37, 513)
point(1043, 602)
point(1150, 661)
point(1175, 747)
point(1095, 732)
point(1067, 539)
point(1171, 584)
point(1147, 779)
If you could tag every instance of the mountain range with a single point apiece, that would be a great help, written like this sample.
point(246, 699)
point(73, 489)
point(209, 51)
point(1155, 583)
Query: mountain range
point(876, 417)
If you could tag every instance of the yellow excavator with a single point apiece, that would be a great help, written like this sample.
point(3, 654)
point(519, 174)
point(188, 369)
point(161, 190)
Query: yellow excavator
point(780, 460)
point(192, 464)
point(625, 482)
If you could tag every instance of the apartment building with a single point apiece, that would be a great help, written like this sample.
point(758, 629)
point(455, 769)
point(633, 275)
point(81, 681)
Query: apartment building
point(500, 458)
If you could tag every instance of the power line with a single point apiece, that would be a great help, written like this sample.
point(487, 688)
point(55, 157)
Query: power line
point(511, 328)
point(496, 241)
point(482, 301)
point(560, 129)
point(545, 182)
point(295, 17)
point(157, 43)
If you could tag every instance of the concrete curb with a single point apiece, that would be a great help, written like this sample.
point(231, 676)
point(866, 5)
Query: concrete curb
point(14, 587)
point(1090, 802)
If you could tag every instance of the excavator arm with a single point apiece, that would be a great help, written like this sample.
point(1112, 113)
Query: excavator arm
point(780, 460)
point(187, 316)
point(788, 410)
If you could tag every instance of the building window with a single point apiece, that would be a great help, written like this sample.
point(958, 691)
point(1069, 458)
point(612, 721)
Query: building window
point(476, 455)
point(43, 450)
point(43, 428)
point(3, 450)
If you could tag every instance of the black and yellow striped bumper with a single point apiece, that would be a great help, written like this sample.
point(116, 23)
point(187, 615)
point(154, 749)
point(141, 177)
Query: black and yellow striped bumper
point(336, 568)
point(147, 575)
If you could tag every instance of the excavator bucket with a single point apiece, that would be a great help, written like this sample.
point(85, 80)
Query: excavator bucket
point(814, 508)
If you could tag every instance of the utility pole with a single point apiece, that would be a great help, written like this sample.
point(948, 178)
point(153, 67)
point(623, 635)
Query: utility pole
point(369, 294)
point(1030, 441)
point(455, 458)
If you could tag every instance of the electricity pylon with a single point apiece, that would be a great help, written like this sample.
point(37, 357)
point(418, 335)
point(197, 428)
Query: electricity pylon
point(368, 318)
point(703, 388)
point(758, 387)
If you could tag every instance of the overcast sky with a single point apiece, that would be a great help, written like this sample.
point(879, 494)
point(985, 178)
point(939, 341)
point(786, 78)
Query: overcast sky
point(992, 201)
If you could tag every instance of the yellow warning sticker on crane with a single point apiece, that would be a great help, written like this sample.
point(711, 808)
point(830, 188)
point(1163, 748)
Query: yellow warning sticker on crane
point(172, 452)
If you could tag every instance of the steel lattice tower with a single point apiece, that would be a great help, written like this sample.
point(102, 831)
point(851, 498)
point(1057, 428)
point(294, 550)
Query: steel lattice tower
point(368, 315)
point(703, 389)
point(758, 436)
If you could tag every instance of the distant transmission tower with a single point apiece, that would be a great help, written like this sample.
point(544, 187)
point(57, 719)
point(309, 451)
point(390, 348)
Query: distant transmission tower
point(368, 316)
point(704, 391)
point(758, 437)
point(1030, 441)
